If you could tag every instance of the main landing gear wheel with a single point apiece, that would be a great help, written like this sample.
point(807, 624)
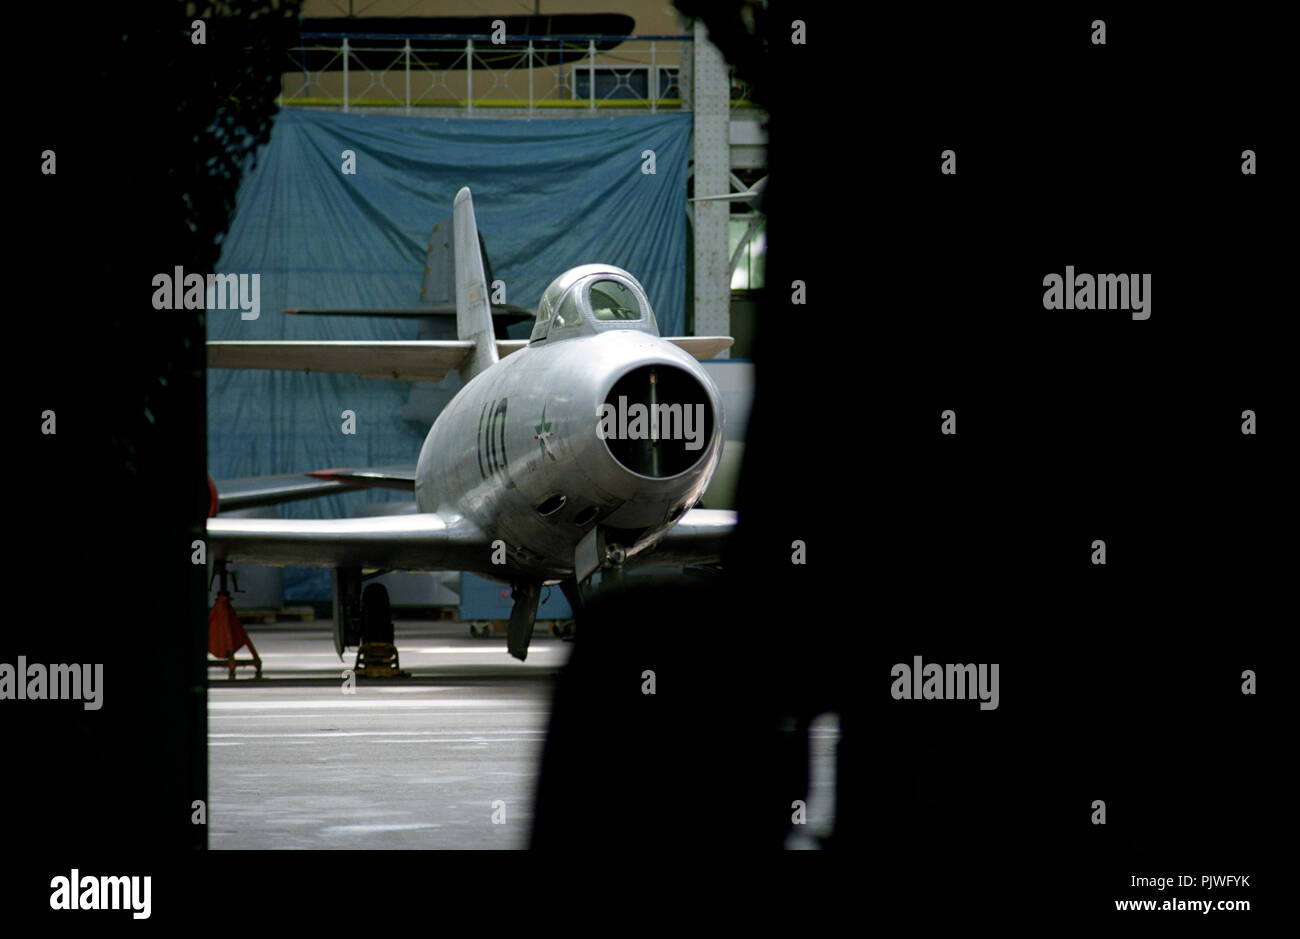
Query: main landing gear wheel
point(376, 614)
point(480, 629)
point(562, 630)
point(377, 656)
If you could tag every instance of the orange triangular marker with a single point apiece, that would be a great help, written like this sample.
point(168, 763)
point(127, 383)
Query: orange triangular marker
point(226, 634)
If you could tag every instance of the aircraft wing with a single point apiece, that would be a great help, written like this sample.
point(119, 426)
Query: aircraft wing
point(415, 542)
point(426, 542)
point(698, 538)
point(397, 360)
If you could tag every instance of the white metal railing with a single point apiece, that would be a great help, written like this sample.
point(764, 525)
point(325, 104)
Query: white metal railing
point(578, 74)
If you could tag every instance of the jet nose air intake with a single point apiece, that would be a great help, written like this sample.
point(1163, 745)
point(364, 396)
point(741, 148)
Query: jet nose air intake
point(657, 421)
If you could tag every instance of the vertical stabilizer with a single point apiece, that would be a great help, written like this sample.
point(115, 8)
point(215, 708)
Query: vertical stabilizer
point(473, 312)
point(439, 286)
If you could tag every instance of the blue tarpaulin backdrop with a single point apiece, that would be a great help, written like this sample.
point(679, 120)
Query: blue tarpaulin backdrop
point(549, 194)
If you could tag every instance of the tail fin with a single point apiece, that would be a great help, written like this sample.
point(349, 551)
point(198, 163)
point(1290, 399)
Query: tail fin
point(439, 286)
point(473, 313)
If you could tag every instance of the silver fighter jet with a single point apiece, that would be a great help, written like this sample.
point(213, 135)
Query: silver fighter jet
point(584, 447)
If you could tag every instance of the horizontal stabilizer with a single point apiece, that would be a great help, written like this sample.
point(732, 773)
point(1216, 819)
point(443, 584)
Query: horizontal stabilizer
point(401, 478)
point(257, 491)
point(500, 311)
point(504, 315)
point(396, 360)
point(701, 347)
point(400, 360)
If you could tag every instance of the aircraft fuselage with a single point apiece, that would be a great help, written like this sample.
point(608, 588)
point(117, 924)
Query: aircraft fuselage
point(538, 474)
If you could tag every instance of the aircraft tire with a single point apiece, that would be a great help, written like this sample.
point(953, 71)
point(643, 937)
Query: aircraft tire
point(376, 614)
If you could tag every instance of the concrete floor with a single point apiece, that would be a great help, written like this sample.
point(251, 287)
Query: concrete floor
point(424, 762)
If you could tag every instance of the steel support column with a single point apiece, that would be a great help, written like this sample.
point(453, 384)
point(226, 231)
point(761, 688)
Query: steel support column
point(710, 91)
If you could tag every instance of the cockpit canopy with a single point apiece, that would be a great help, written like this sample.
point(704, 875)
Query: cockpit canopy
point(590, 299)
